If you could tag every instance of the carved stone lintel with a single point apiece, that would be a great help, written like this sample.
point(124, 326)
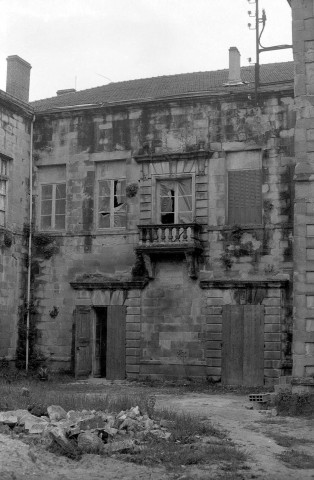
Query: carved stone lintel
point(149, 265)
point(191, 261)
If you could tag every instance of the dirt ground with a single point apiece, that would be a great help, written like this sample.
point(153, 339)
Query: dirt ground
point(250, 430)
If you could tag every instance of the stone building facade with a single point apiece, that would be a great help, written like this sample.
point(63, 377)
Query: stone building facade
point(163, 240)
point(303, 334)
point(15, 143)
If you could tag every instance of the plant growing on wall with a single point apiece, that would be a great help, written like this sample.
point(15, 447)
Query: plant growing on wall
point(44, 245)
point(139, 269)
point(36, 357)
point(236, 247)
point(131, 190)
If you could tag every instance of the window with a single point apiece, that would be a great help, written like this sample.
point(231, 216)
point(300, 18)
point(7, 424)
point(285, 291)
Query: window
point(175, 201)
point(244, 197)
point(3, 189)
point(111, 204)
point(53, 202)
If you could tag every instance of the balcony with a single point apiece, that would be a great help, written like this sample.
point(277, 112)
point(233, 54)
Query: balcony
point(179, 238)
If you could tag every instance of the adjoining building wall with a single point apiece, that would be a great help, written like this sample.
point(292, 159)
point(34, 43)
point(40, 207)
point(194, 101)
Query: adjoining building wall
point(14, 214)
point(303, 333)
point(174, 323)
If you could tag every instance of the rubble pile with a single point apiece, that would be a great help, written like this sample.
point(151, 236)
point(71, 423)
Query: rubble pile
point(84, 431)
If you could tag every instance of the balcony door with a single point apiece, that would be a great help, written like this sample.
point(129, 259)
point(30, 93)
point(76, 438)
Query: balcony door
point(175, 201)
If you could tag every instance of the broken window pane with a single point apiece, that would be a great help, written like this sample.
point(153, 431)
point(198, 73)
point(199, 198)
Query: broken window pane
point(111, 204)
point(176, 201)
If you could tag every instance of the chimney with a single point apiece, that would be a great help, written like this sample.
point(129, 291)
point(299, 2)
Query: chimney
point(18, 76)
point(66, 90)
point(234, 66)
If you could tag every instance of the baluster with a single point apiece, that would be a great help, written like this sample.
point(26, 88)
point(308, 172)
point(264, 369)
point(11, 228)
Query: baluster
point(185, 234)
point(143, 235)
point(177, 234)
point(155, 234)
point(151, 238)
point(163, 234)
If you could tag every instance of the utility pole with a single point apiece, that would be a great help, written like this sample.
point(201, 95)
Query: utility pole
point(259, 48)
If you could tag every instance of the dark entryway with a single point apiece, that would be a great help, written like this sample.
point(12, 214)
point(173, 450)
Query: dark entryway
point(243, 345)
point(100, 342)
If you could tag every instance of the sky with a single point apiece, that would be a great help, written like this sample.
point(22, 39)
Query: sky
point(86, 43)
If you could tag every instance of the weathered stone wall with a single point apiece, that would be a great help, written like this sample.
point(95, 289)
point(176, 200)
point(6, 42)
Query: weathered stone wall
point(84, 144)
point(15, 145)
point(303, 51)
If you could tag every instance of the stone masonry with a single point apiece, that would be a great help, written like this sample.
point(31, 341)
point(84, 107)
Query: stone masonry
point(303, 333)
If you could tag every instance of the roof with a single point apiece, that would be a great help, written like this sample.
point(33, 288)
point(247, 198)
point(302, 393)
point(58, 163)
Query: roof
point(15, 103)
point(273, 76)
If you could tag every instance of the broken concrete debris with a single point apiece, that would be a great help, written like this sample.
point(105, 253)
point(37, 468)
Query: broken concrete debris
point(86, 431)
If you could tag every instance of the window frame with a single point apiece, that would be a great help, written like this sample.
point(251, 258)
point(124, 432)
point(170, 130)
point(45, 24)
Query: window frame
point(156, 210)
point(53, 207)
point(111, 218)
point(4, 177)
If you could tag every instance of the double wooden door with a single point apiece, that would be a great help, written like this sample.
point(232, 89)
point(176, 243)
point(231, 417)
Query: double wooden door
point(243, 345)
point(100, 341)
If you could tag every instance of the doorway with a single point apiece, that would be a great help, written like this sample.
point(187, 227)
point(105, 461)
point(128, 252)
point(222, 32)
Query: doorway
point(100, 342)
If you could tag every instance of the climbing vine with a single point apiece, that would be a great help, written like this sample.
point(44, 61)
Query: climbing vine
point(36, 357)
point(235, 247)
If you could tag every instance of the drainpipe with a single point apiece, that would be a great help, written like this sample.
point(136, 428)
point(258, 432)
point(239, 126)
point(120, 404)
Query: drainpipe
point(28, 295)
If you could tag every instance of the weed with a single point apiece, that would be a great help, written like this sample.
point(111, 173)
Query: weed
point(288, 441)
point(295, 459)
point(295, 404)
point(184, 427)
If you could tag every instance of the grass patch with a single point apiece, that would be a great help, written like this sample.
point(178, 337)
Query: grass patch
point(288, 441)
point(173, 455)
point(185, 427)
point(47, 393)
point(193, 441)
point(295, 404)
point(295, 459)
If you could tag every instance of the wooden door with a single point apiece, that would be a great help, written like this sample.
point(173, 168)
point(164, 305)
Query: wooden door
point(83, 347)
point(243, 345)
point(253, 338)
point(115, 355)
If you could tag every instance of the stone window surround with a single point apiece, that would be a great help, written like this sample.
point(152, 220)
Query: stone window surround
point(4, 177)
point(155, 201)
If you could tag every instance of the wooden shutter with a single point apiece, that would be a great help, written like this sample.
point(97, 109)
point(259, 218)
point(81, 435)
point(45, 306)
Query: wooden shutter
point(244, 197)
point(83, 351)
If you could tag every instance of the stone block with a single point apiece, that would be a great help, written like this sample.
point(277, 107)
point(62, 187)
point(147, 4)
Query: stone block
point(272, 355)
point(133, 310)
point(133, 327)
point(132, 360)
point(272, 319)
point(133, 318)
point(132, 335)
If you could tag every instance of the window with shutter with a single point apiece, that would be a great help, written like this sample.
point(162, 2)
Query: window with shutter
point(244, 197)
